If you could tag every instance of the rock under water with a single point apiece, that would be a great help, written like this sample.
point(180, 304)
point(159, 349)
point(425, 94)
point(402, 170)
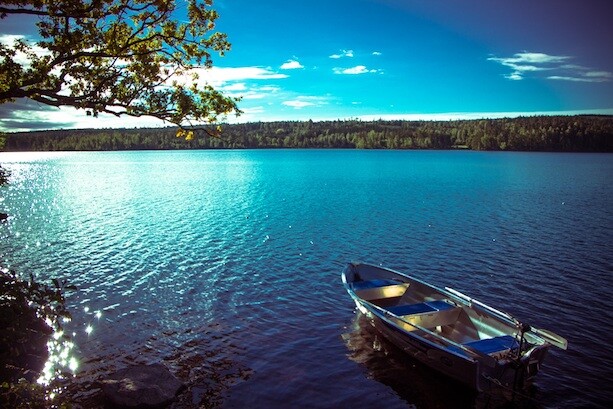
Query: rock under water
point(141, 386)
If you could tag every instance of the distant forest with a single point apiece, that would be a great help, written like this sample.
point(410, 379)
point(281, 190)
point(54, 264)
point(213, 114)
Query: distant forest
point(589, 133)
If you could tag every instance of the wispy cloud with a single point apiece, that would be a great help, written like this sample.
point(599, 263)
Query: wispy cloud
point(248, 91)
point(377, 53)
point(306, 101)
point(530, 58)
point(343, 53)
point(297, 103)
point(291, 65)
point(217, 76)
point(584, 75)
point(524, 63)
point(238, 86)
point(357, 70)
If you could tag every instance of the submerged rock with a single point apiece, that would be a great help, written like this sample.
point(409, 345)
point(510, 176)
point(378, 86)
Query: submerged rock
point(141, 386)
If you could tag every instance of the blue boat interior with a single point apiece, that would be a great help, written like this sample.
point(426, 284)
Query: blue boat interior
point(490, 346)
point(440, 316)
point(365, 285)
point(493, 345)
point(420, 308)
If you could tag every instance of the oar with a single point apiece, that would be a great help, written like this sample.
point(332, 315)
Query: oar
point(471, 301)
point(552, 338)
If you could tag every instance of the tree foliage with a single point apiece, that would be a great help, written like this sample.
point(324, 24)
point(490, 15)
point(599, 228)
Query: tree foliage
point(29, 313)
point(547, 133)
point(121, 57)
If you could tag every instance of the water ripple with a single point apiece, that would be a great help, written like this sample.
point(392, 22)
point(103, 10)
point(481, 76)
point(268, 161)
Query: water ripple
point(218, 260)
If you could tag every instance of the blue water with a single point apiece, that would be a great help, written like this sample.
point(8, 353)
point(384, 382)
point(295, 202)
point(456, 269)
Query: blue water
point(225, 265)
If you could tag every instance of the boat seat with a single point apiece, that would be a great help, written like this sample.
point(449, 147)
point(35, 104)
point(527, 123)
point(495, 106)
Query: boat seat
point(429, 314)
point(379, 289)
point(421, 308)
point(364, 285)
point(491, 346)
point(494, 345)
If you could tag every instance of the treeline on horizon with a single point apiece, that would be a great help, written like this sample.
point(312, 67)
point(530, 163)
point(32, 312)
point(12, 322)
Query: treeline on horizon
point(590, 133)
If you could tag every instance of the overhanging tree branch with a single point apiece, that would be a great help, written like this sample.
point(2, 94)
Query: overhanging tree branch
point(117, 57)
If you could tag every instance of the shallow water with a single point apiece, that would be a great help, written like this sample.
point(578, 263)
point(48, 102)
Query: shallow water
point(225, 265)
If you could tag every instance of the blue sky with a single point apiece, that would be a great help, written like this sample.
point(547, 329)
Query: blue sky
point(412, 59)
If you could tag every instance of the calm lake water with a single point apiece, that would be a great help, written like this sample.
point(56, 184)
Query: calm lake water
point(225, 265)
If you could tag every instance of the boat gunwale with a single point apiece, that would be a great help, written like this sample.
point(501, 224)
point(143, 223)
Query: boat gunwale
point(545, 337)
point(449, 292)
point(475, 355)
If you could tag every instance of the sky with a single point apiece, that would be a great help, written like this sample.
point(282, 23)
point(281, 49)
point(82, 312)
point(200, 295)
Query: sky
point(391, 59)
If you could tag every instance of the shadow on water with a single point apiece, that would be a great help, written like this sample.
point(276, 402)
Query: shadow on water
point(415, 383)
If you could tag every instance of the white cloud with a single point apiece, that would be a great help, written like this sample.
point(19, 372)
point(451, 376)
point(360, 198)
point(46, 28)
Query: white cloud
point(343, 53)
point(239, 86)
point(556, 65)
point(249, 91)
point(599, 74)
point(524, 62)
point(516, 76)
point(357, 70)
point(8, 40)
point(536, 58)
point(254, 110)
point(585, 78)
point(269, 88)
point(377, 53)
point(291, 65)
point(219, 76)
point(306, 101)
point(565, 78)
point(297, 103)
point(39, 117)
point(250, 95)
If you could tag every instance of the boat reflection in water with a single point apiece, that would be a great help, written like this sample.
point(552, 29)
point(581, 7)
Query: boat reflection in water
point(417, 384)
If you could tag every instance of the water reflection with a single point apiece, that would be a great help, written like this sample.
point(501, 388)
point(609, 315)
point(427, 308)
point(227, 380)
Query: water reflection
point(418, 385)
point(61, 358)
point(62, 364)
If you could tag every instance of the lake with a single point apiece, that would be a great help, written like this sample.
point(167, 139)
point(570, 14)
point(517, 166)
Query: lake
point(225, 265)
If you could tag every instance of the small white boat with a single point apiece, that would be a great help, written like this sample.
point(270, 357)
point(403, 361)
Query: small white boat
point(471, 342)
